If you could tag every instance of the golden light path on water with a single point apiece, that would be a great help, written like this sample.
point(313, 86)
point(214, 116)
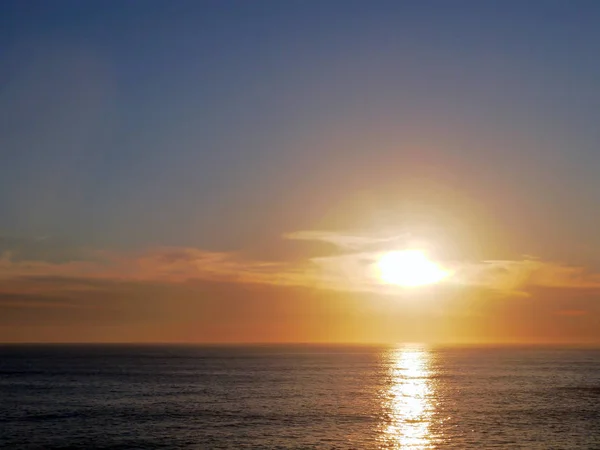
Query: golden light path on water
point(409, 400)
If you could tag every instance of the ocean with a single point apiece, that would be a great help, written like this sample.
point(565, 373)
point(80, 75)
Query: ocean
point(300, 397)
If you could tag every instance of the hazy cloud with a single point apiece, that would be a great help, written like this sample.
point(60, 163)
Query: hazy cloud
point(345, 240)
point(523, 274)
point(351, 270)
point(189, 294)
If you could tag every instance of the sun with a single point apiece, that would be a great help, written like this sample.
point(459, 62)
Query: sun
point(409, 268)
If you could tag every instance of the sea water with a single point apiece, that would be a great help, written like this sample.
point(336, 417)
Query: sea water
point(302, 397)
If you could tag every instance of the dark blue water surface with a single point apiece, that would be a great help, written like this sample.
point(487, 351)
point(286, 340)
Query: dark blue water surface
point(186, 397)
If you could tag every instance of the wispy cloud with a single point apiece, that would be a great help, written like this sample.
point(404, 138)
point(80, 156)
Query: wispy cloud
point(353, 269)
point(36, 302)
point(160, 265)
point(345, 240)
point(196, 294)
point(522, 274)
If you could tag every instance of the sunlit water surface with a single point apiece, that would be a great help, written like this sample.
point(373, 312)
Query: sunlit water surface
point(405, 397)
point(409, 399)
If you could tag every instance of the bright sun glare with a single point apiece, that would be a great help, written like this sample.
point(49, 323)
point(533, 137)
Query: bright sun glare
point(409, 268)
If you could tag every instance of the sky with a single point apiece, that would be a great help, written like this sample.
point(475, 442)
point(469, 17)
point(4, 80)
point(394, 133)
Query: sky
point(231, 171)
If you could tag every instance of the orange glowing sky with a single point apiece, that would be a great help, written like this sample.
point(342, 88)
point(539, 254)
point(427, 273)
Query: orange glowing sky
point(239, 174)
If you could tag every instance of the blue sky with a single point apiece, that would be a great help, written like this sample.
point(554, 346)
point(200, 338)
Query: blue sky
point(223, 125)
point(186, 121)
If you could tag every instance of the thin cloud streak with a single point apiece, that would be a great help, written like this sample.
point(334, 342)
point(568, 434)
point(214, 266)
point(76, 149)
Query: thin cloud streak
point(344, 240)
point(351, 271)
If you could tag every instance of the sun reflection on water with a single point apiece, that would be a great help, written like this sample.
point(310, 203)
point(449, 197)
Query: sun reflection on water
point(409, 399)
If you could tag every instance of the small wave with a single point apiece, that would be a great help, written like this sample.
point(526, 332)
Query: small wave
point(595, 390)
